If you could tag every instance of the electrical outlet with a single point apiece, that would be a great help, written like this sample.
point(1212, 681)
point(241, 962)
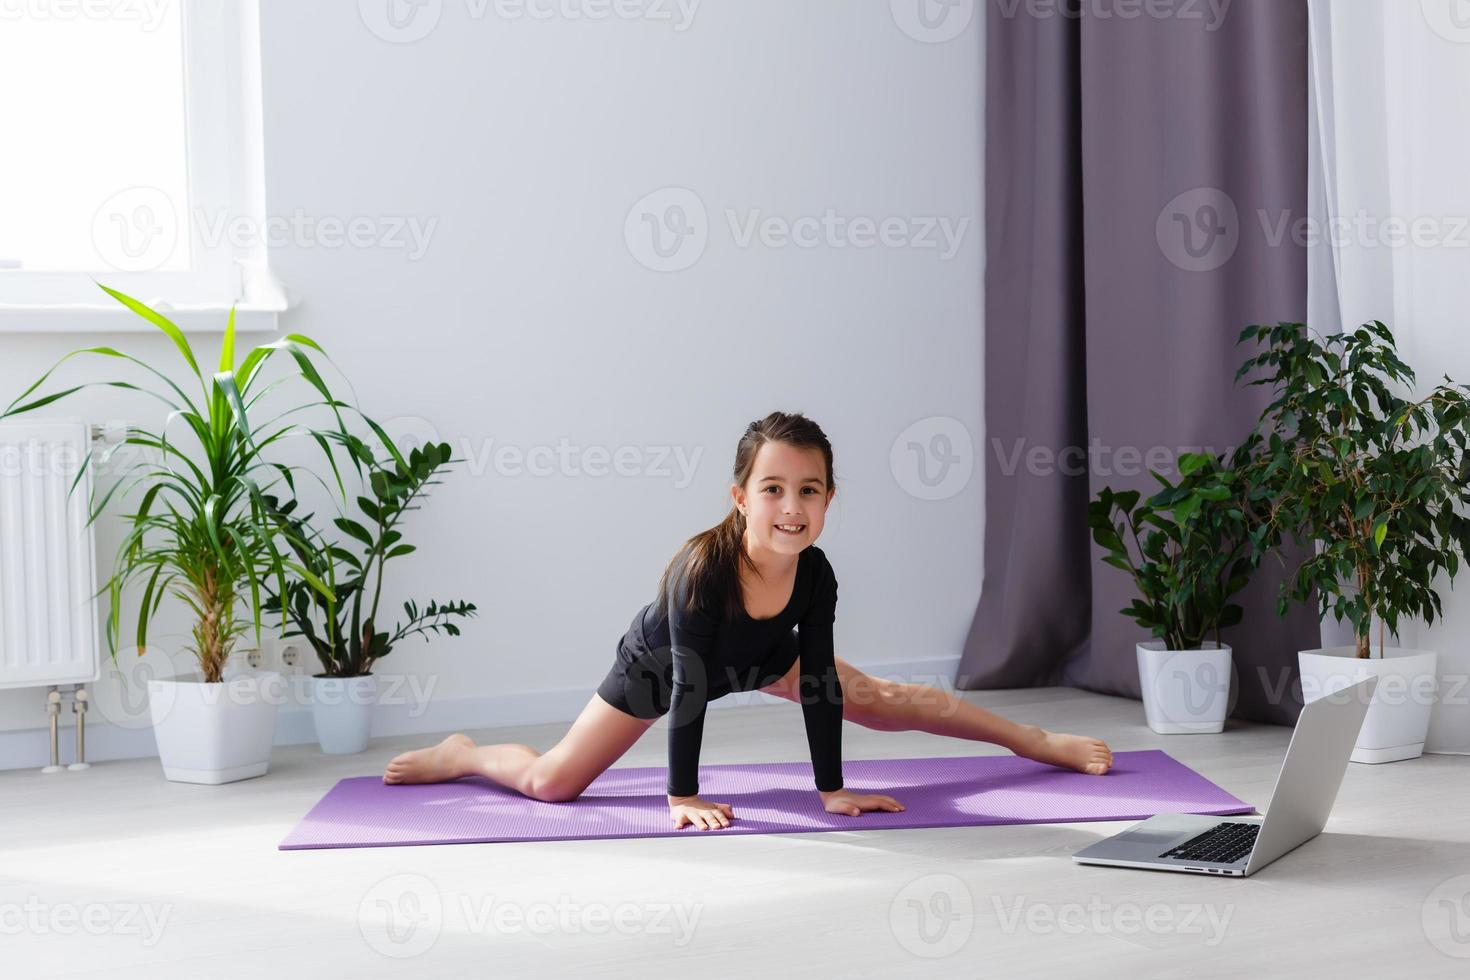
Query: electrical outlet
point(254, 658)
point(290, 655)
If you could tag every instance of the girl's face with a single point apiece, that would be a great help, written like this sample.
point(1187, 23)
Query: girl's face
point(787, 487)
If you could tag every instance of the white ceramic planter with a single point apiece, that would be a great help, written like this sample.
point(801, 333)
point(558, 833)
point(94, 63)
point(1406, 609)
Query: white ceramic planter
point(1186, 692)
point(1398, 715)
point(342, 708)
point(1449, 722)
point(215, 733)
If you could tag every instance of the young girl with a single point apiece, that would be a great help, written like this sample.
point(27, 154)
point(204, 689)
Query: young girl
point(723, 621)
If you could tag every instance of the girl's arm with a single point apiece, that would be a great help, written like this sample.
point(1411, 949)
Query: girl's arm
point(692, 637)
point(819, 687)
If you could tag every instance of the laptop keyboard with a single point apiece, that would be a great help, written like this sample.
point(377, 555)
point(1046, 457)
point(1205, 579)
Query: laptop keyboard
point(1223, 843)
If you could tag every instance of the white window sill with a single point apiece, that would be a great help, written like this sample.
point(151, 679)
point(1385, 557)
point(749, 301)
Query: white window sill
point(116, 319)
point(261, 298)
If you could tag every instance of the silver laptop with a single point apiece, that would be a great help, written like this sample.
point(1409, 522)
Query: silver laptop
point(1307, 784)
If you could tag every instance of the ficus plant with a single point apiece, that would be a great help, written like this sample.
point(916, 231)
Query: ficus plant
point(202, 529)
point(343, 628)
point(1374, 479)
point(1187, 548)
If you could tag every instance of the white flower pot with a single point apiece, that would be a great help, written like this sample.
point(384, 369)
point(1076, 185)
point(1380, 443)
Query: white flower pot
point(342, 708)
point(1398, 715)
point(1449, 722)
point(215, 733)
point(1186, 692)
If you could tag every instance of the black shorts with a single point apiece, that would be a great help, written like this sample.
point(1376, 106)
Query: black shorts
point(641, 680)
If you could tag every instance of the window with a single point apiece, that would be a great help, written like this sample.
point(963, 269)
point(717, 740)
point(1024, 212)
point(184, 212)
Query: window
point(133, 143)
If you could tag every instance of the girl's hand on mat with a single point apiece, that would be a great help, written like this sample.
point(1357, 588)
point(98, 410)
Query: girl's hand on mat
point(699, 813)
point(852, 804)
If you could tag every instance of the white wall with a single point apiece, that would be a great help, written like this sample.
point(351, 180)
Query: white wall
point(1396, 137)
point(528, 320)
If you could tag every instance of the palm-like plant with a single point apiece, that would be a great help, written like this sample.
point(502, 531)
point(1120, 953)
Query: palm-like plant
point(203, 530)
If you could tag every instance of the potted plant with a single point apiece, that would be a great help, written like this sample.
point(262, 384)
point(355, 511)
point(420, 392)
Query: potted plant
point(202, 532)
point(1188, 549)
point(342, 626)
point(1372, 479)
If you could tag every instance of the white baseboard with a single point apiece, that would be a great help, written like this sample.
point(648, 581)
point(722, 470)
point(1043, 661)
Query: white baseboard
point(30, 747)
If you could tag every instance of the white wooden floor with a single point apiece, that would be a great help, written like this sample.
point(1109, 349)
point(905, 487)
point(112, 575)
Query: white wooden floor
point(117, 873)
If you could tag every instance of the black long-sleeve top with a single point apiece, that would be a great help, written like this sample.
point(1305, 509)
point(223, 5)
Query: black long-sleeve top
point(713, 655)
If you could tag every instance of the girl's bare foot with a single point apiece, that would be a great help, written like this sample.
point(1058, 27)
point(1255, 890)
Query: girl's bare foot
point(448, 760)
point(1079, 752)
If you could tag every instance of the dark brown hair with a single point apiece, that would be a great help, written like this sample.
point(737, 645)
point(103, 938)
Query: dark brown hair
point(712, 558)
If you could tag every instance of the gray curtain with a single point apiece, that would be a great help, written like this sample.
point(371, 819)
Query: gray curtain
point(1142, 178)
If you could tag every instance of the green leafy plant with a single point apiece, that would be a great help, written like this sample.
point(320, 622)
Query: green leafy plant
point(1352, 466)
point(202, 529)
point(1188, 549)
point(342, 628)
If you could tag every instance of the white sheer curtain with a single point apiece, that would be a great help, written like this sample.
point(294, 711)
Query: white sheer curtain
point(1390, 202)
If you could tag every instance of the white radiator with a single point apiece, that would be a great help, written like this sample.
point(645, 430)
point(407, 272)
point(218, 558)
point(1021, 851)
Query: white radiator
point(49, 632)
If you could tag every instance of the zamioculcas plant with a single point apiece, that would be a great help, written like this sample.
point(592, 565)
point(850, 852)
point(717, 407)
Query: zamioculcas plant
point(1187, 548)
point(343, 629)
point(202, 529)
point(1349, 463)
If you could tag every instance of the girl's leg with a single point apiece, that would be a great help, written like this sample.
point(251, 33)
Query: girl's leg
point(597, 739)
point(887, 705)
point(940, 713)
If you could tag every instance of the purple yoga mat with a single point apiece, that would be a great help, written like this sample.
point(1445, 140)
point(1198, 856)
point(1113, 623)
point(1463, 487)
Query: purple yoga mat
point(771, 798)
